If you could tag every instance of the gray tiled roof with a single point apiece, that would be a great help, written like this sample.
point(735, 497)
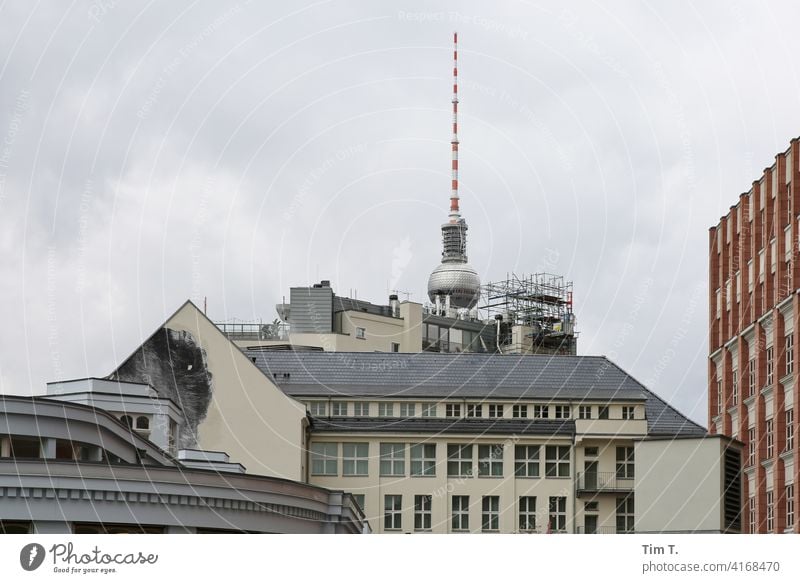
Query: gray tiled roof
point(466, 375)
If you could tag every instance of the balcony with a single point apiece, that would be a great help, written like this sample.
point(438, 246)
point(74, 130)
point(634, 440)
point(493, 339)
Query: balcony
point(254, 330)
point(603, 483)
point(597, 530)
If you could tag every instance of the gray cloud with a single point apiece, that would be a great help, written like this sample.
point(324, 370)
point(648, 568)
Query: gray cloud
point(187, 150)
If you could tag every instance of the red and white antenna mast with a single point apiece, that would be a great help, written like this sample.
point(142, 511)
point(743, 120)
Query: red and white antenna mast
point(454, 211)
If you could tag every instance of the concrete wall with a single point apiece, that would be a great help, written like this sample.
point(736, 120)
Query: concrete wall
point(248, 417)
point(679, 485)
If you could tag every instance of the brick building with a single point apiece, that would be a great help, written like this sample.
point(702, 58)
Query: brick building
point(754, 304)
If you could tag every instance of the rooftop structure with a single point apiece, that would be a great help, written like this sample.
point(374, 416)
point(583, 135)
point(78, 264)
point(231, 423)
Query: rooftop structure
point(454, 283)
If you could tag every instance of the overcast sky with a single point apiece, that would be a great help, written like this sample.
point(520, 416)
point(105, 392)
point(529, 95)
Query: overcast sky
point(154, 152)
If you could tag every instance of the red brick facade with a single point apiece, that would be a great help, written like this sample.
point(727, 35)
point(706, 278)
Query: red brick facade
point(754, 314)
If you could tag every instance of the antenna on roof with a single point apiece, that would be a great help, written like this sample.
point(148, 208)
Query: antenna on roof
point(454, 211)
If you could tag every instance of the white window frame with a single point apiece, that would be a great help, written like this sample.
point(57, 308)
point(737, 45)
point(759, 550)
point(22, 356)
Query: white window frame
point(339, 409)
point(519, 411)
point(385, 409)
point(625, 514)
point(318, 408)
point(474, 410)
point(584, 412)
point(408, 409)
point(452, 410)
point(459, 512)
point(429, 409)
point(392, 459)
point(361, 333)
point(562, 412)
point(527, 513)
point(770, 510)
point(628, 412)
point(490, 513)
point(789, 347)
point(324, 458)
point(624, 462)
point(557, 514)
point(557, 461)
point(541, 411)
point(355, 459)
point(490, 460)
point(423, 514)
point(423, 459)
point(527, 461)
point(361, 409)
point(394, 347)
point(459, 460)
point(770, 356)
point(393, 512)
point(789, 493)
point(769, 429)
point(496, 411)
point(789, 437)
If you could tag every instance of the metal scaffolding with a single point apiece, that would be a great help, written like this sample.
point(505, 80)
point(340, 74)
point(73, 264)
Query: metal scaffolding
point(538, 305)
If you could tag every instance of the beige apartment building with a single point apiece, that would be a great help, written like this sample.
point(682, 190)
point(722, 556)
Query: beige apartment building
point(430, 441)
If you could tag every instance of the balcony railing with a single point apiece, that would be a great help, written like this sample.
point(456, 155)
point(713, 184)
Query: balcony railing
point(597, 530)
point(254, 330)
point(591, 482)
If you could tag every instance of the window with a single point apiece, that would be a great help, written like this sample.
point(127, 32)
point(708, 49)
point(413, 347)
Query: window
point(355, 459)
point(423, 459)
point(422, 512)
point(770, 511)
point(602, 412)
point(625, 463)
point(385, 409)
point(526, 461)
point(361, 409)
point(527, 513)
point(393, 512)
point(762, 265)
point(790, 353)
point(519, 411)
point(770, 363)
point(735, 387)
point(718, 294)
point(625, 515)
point(556, 461)
point(338, 409)
point(317, 408)
point(738, 287)
point(323, 459)
point(490, 460)
point(751, 446)
point(557, 519)
point(490, 515)
point(789, 430)
point(751, 370)
point(393, 459)
point(142, 423)
point(361, 333)
point(541, 411)
point(719, 397)
point(408, 409)
point(627, 412)
point(728, 294)
point(790, 506)
point(460, 513)
point(773, 255)
point(750, 275)
point(752, 514)
point(429, 409)
point(127, 420)
point(495, 410)
point(475, 410)
point(459, 460)
point(770, 430)
point(593, 506)
point(585, 412)
point(395, 347)
point(361, 501)
point(562, 412)
point(452, 410)
point(591, 451)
